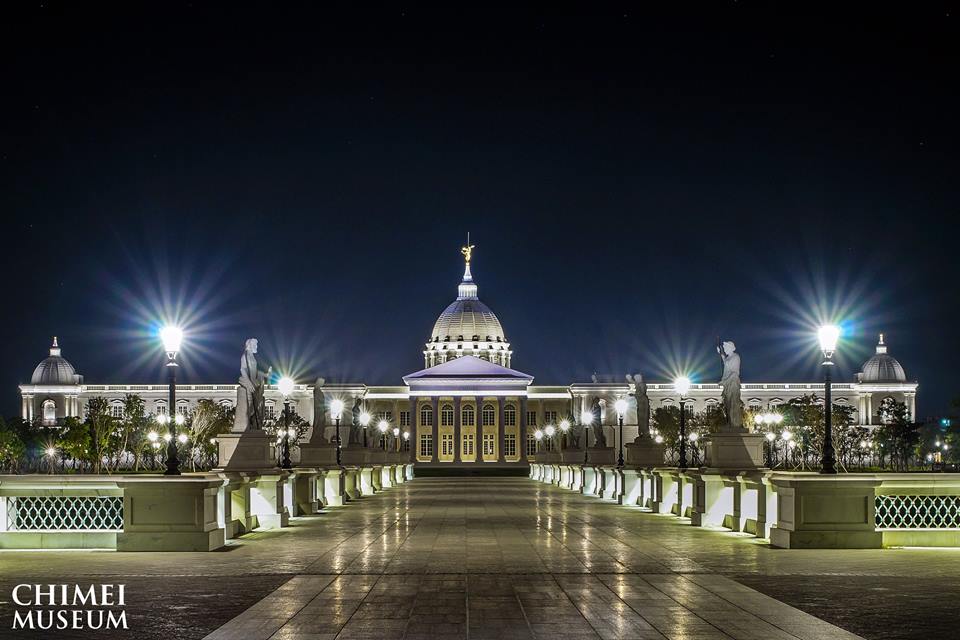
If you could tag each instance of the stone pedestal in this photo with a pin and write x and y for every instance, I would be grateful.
(733, 450)
(176, 513)
(356, 455)
(246, 451)
(644, 453)
(602, 455)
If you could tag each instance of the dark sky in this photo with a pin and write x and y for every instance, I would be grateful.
(635, 183)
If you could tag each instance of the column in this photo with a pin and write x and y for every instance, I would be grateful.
(435, 430)
(24, 411)
(457, 445)
(912, 406)
(500, 430)
(870, 408)
(414, 431)
(861, 409)
(522, 438)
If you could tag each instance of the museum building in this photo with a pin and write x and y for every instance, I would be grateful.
(467, 405)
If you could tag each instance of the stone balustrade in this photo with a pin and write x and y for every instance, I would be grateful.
(191, 512)
(791, 509)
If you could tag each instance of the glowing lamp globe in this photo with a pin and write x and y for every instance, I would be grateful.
(771, 436)
(336, 408)
(564, 425)
(538, 434)
(396, 432)
(406, 435)
(152, 436)
(658, 439)
(682, 385)
(285, 386)
(828, 335)
(182, 438)
(786, 435)
(365, 419)
(757, 419)
(383, 426)
(180, 419)
(586, 418)
(172, 338)
(549, 430)
(51, 451)
(694, 437)
(621, 407)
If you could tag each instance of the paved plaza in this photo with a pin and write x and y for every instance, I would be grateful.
(509, 558)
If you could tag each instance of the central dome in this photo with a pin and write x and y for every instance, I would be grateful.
(54, 369)
(467, 327)
(882, 367)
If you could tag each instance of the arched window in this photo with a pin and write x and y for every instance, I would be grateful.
(226, 404)
(488, 415)
(426, 416)
(446, 416)
(116, 409)
(49, 412)
(269, 409)
(468, 416)
(161, 407)
(509, 416)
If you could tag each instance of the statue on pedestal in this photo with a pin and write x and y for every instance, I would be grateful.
(730, 381)
(643, 405)
(355, 426)
(599, 437)
(250, 406)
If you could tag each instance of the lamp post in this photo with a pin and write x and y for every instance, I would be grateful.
(693, 437)
(828, 335)
(771, 436)
(549, 431)
(364, 419)
(538, 435)
(621, 407)
(337, 408)
(396, 439)
(382, 426)
(682, 386)
(285, 386)
(564, 428)
(586, 419)
(172, 337)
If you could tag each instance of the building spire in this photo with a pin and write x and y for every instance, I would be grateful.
(467, 288)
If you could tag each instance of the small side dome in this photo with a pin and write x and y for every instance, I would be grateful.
(882, 367)
(55, 369)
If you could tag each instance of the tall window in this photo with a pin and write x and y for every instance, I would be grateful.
(488, 416)
(49, 412)
(531, 418)
(446, 444)
(468, 416)
(384, 415)
(426, 416)
(161, 408)
(446, 416)
(488, 445)
(510, 416)
(467, 450)
(550, 417)
(426, 445)
(404, 418)
(116, 410)
(270, 410)
(510, 444)
(183, 408)
(531, 445)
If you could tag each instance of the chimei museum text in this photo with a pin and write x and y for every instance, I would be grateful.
(47, 607)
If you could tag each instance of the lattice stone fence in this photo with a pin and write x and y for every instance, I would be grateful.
(192, 512)
(793, 510)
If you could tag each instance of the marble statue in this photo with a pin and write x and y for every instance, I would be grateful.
(355, 436)
(730, 382)
(250, 406)
(599, 437)
(643, 405)
(319, 410)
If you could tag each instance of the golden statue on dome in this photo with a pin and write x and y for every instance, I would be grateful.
(467, 250)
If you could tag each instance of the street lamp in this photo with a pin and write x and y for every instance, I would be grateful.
(549, 431)
(364, 418)
(586, 419)
(538, 434)
(285, 386)
(396, 438)
(564, 429)
(172, 338)
(621, 406)
(828, 335)
(682, 387)
(383, 425)
(336, 407)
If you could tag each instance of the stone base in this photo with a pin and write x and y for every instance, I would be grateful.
(734, 450)
(356, 456)
(246, 451)
(601, 455)
(318, 455)
(645, 453)
(785, 539)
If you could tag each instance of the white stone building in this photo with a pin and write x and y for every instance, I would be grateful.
(467, 405)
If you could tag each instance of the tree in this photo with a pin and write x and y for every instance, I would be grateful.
(12, 450)
(101, 426)
(898, 435)
(666, 421)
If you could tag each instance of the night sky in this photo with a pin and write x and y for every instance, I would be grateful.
(635, 183)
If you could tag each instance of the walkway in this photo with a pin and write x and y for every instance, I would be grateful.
(510, 558)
